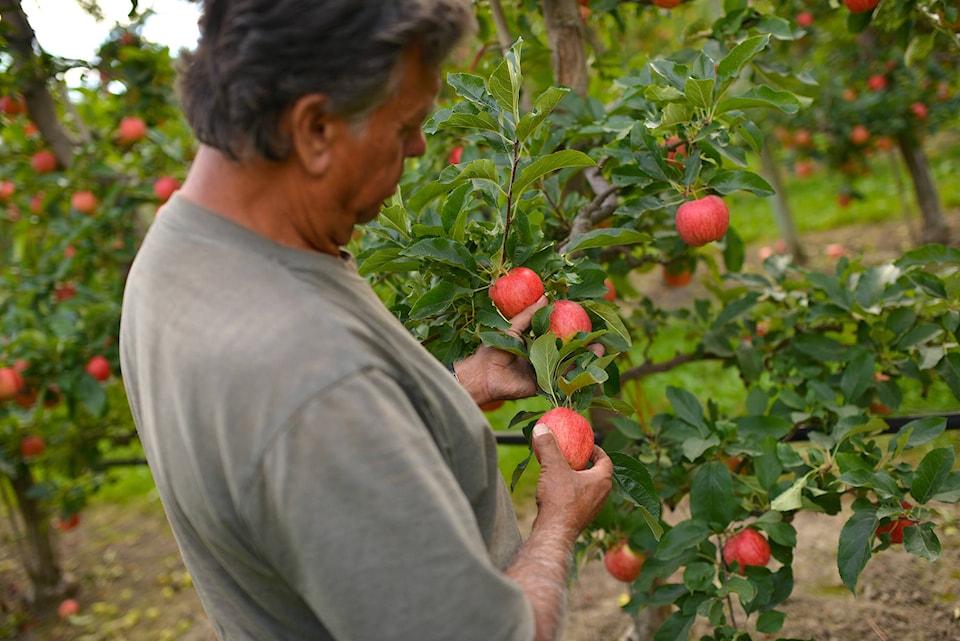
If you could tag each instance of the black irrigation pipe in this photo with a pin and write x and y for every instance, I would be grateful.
(894, 423)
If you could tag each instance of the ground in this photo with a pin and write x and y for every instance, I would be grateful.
(132, 584)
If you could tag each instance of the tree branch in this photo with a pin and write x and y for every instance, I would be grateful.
(21, 43)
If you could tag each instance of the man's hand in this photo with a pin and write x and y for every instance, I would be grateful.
(491, 374)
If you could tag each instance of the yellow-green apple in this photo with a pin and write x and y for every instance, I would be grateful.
(861, 6)
(702, 220)
(32, 445)
(43, 162)
(568, 318)
(622, 562)
(517, 290)
(98, 367)
(10, 383)
(746, 548)
(164, 187)
(131, 129)
(573, 433)
(84, 202)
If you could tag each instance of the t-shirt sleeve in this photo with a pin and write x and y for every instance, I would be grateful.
(360, 512)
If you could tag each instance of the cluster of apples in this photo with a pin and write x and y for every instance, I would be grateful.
(517, 290)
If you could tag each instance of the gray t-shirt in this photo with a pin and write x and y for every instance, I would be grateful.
(325, 477)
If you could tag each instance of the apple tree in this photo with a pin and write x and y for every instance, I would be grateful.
(90, 148)
(583, 185)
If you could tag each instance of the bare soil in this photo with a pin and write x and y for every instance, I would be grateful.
(132, 585)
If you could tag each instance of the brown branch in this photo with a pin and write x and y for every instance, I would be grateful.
(21, 42)
(649, 368)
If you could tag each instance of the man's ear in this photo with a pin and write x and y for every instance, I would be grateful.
(312, 129)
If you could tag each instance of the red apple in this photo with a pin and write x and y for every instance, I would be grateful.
(675, 146)
(896, 526)
(131, 129)
(65, 525)
(673, 278)
(32, 446)
(164, 187)
(859, 135)
(919, 110)
(802, 138)
(455, 155)
(520, 288)
(877, 82)
(491, 406)
(745, 548)
(804, 19)
(835, 250)
(666, 4)
(64, 292)
(568, 318)
(844, 199)
(849, 94)
(703, 220)
(622, 562)
(13, 105)
(84, 202)
(68, 608)
(883, 143)
(573, 434)
(43, 162)
(10, 383)
(611, 294)
(6, 190)
(803, 168)
(99, 368)
(861, 6)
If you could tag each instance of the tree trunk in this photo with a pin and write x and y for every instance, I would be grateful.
(41, 562)
(935, 228)
(566, 39)
(781, 206)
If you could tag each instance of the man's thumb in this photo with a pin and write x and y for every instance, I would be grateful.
(545, 445)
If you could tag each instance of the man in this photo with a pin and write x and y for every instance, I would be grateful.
(325, 477)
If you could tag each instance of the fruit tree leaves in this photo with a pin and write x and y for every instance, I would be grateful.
(637, 485)
(949, 370)
(854, 549)
(932, 473)
(711, 495)
(542, 166)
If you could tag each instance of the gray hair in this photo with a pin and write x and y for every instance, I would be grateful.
(255, 58)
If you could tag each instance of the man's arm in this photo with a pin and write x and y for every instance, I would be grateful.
(567, 502)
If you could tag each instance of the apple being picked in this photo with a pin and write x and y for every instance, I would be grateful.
(745, 548)
(703, 220)
(520, 288)
(623, 563)
(568, 318)
(573, 433)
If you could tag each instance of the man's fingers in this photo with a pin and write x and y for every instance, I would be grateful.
(545, 446)
(521, 322)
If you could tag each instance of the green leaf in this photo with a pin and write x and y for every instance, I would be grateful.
(387, 260)
(729, 181)
(854, 549)
(637, 485)
(435, 301)
(598, 238)
(542, 166)
(760, 97)
(922, 541)
(740, 56)
(685, 536)
(792, 498)
(544, 357)
(611, 318)
(505, 342)
(92, 396)
(949, 370)
(711, 495)
(932, 473)
(480, 169)
(761, 426)
(919, 432)
(542, 108)
(474, 89)
(686, 406)
(770, 622)
(505, 81)
(700, 92)
(857, 376)
(445, 251)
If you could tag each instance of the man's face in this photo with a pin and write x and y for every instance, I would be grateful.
(371, 158)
